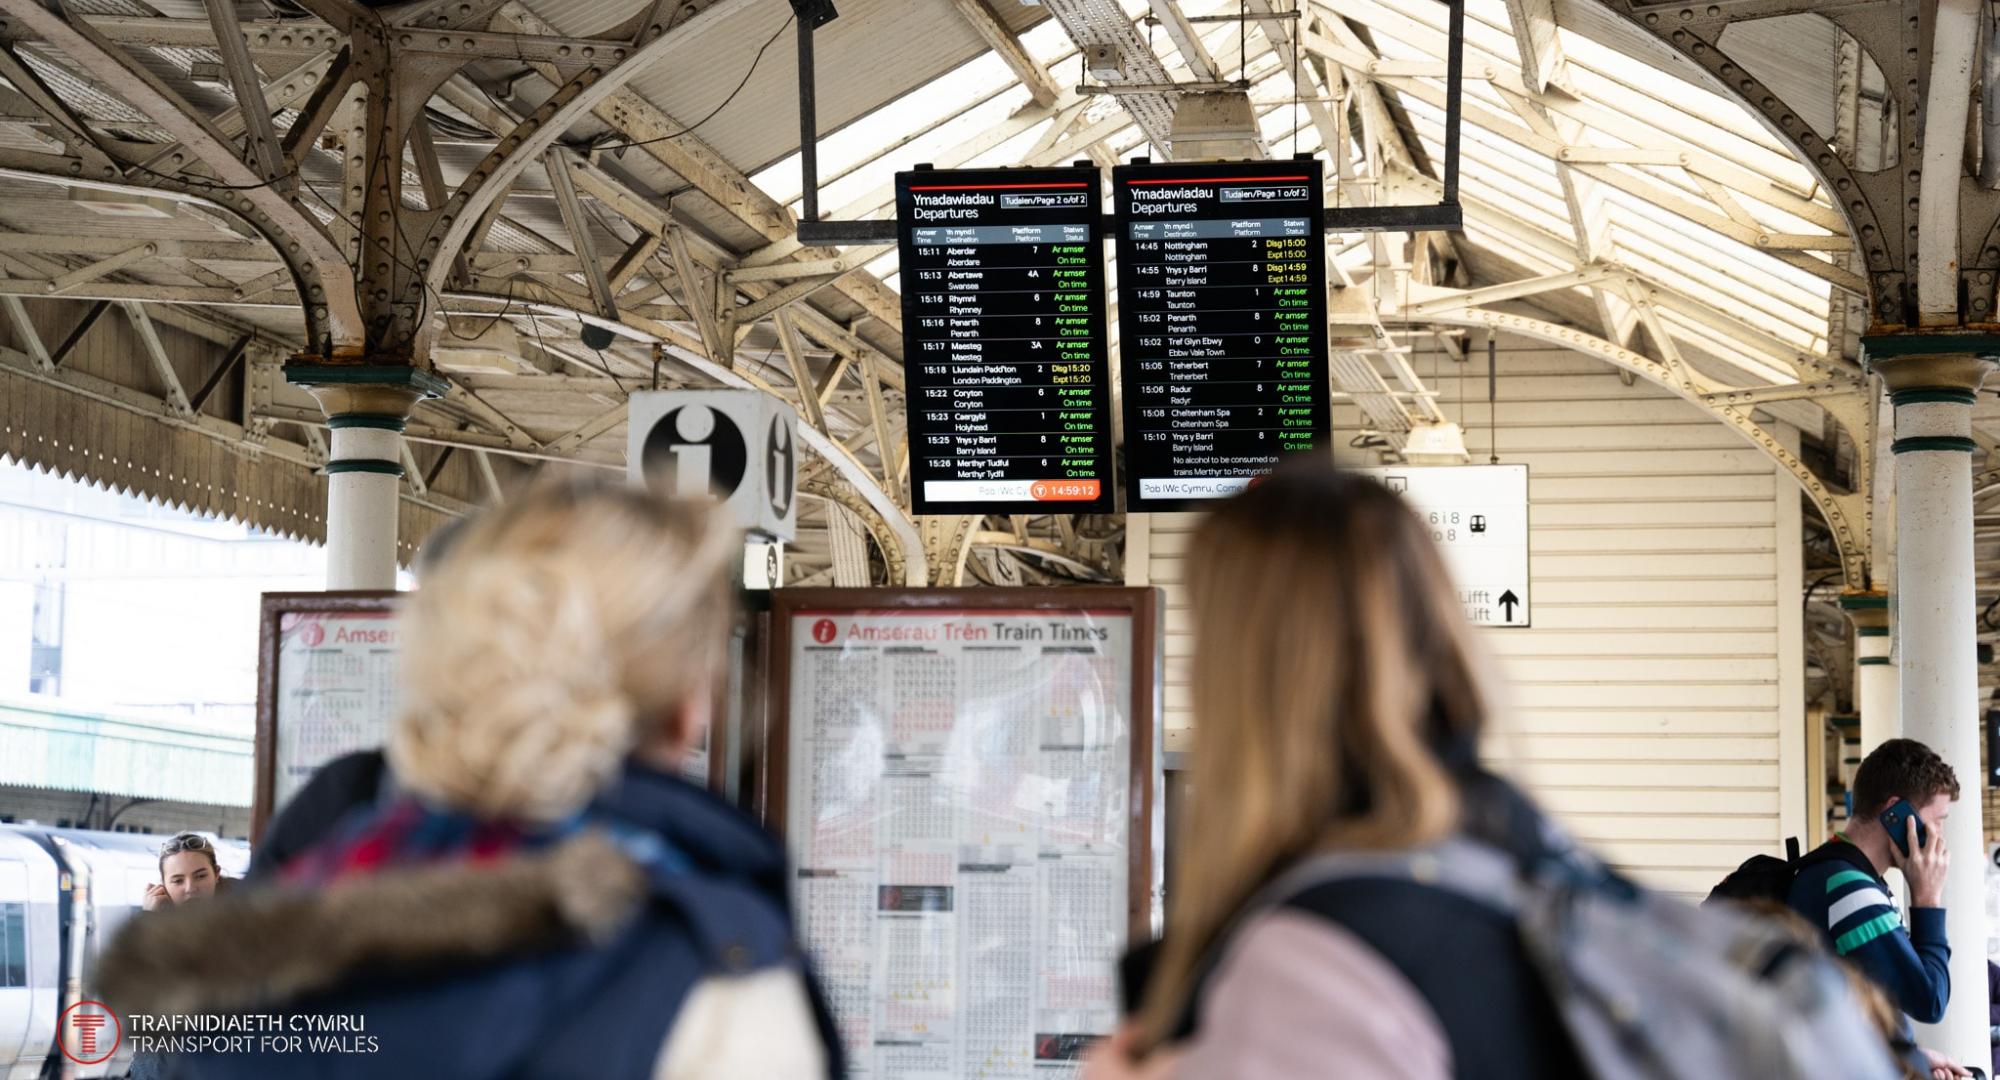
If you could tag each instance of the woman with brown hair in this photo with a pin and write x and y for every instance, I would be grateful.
(1338, 705)
(1356, 897)
(188, 871)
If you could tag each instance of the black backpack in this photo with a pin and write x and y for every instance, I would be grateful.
(1761, 877)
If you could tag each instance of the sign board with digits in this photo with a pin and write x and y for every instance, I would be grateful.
(1222, 325)
(1003, 340)
(1478, 514)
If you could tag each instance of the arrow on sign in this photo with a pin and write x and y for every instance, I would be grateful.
(1509, 602)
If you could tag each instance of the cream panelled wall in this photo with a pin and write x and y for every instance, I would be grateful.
(1657, 704)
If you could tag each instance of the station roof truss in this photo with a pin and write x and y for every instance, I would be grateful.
(1615, 202)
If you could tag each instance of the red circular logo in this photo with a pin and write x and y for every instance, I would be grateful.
(312, 634)
(824, 631)
(83, 1027)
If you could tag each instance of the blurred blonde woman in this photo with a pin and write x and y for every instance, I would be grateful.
(546, 898)
(1338, 707)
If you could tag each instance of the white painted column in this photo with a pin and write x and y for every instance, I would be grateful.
(1936, 645)
(366, 408)
(364, 476)
(1877, 691)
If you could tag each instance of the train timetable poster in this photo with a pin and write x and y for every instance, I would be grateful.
(326, 685)
(968, 796)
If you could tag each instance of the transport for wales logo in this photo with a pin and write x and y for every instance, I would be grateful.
(90, 1032)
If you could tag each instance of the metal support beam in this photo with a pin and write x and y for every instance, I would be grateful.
(878, 417)
(25, 332)
(75, 336)
(634, 260)
(333, 307)
(261, 136)
(795, 358)
(556, 162)
(231, 361)
(1185, 38)
(156, 351)
(698, 300)
(1008, 48)
(91, 272)
(792, 293)
(483, 463)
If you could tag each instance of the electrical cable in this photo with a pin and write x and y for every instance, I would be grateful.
(691, 128)
(182, 178)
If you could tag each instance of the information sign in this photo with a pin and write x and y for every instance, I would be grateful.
(1003, 340)
(1222, 325)
(1478, 514)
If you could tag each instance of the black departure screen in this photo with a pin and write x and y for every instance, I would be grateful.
(1003, 340)
(1222, 325)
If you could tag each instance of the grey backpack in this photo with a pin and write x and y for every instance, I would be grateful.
(1649, 988)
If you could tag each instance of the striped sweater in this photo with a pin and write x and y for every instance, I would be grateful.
(1839, 891)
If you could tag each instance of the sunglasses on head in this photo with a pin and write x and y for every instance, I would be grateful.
(184, 842)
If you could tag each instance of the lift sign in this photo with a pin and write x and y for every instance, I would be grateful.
(1478, 515)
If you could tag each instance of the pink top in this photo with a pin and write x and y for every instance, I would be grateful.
(1297, 996)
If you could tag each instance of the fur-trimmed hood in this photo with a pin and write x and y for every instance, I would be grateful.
(263, 946)
(570, 960)
(271, 945)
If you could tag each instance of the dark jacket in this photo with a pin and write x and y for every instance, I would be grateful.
(1838, 891)
(571, 960)
(346, 785)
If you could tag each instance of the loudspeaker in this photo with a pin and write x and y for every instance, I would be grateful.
(814, 13)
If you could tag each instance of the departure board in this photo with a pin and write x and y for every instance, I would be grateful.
(1222, 325)
(1003, 340)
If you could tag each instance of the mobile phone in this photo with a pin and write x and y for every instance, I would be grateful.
(1894, 819)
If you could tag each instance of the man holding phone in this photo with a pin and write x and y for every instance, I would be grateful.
(1903, 792)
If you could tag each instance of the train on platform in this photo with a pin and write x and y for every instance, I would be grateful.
(63, 893)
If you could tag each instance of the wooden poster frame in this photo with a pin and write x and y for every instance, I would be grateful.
(1142, 604)
(272, 610)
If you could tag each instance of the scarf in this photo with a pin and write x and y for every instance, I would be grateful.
(406, 832)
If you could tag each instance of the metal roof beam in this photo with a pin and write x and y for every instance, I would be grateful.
(137, 85)
(556, 163)
(156, 351)
(25, 332)
(688, 156)
(1845, 512)
(1185, 38)
(247, 84)
(1008, 47)
(1754, 340)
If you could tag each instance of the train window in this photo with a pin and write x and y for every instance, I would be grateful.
(13, 944)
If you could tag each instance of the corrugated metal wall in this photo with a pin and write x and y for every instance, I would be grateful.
(1657, 703)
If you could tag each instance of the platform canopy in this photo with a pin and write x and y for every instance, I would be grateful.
(1619, 199)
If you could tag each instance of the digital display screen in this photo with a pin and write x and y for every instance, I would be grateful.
(1222, 325)
(1003, 340)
